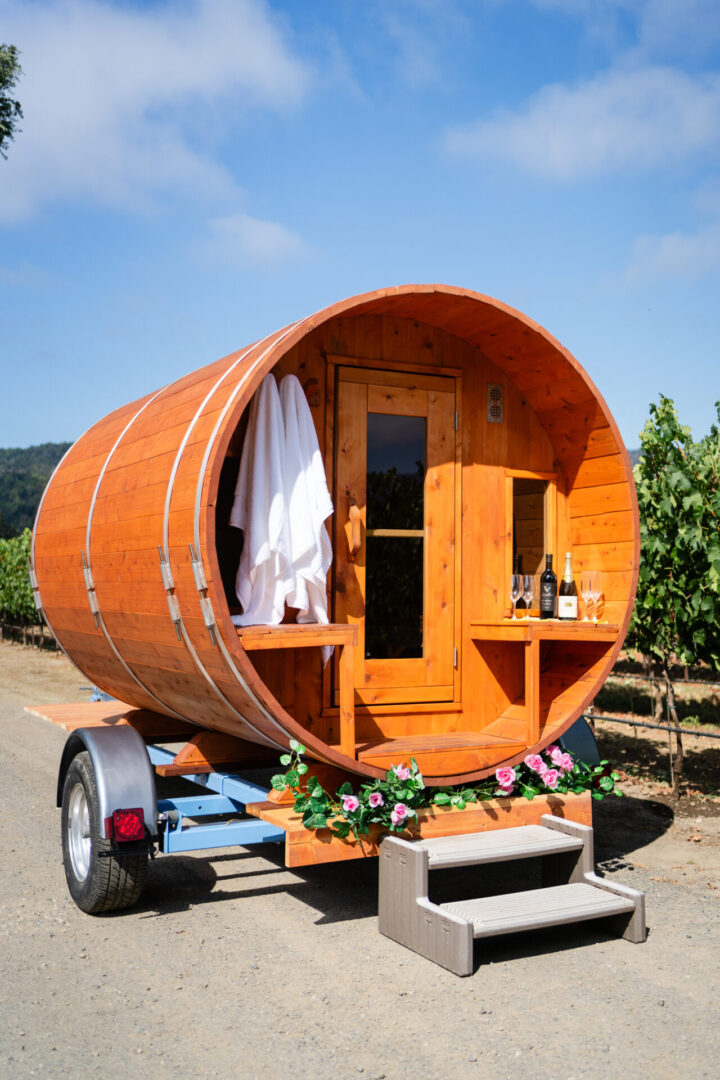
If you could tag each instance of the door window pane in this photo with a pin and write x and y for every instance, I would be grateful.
(394, 564)
(394, 597)
(395, 471)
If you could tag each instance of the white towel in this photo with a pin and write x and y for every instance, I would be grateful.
(262, 581)
(308, 505)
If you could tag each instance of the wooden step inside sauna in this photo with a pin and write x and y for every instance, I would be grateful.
(442, 754)
(445, 932)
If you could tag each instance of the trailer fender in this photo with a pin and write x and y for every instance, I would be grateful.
(125, 778)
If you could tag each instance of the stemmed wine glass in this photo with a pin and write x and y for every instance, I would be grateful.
(516, 588)
(596, 592)
(528, 590)
(586, 590)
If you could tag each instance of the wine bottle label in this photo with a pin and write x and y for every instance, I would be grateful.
(547, 596)
(567, 607)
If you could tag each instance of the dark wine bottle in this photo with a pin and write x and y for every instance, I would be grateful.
(567, 598)
(519, 570)
(548, 590)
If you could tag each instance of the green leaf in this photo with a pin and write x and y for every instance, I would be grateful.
(292, 778)
(294, 744)
(341, 829)
(285, 759)
(442, 799)
(278, 782)
(302, 768)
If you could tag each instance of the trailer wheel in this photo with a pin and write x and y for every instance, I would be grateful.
(97, 882)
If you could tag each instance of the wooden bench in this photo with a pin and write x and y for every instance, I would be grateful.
(303, 635)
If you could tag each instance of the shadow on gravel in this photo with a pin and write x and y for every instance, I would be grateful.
(347, 891)
(624, 825)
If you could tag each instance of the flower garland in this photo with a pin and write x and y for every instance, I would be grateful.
(393, 803)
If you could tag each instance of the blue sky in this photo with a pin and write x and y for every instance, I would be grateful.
(193, 174)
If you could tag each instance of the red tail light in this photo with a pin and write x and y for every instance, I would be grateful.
(128, 824)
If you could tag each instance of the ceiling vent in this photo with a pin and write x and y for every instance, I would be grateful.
(495, 403)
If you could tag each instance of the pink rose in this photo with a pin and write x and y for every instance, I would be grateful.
(556, 755)
(567, 763)
(505, 777)
(551, 778)
(535, 762)
(401, 771)
(542, 768)
(399, 813)
(350, 803)
(551, 749)
(376, 799)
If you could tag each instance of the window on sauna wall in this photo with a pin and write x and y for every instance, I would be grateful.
(529, 523)
(396, 459)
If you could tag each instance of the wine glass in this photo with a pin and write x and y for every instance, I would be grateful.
(528, 590)
(586, 591)
(596, 592)
(516, 588)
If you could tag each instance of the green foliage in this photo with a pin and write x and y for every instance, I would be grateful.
(677, 611)
(10, 110)
(16, 598)
(23, 476)
(393, 803)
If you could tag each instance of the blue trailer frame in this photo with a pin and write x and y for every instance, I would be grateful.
(226, 794)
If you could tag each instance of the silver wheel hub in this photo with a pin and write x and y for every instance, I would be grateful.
(78, 826)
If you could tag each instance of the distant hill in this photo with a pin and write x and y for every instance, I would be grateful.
(634, 457)
(23, 476)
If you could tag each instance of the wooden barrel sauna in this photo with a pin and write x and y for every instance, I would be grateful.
(456, 434)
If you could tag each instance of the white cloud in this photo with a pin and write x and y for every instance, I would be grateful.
(678, 254)
(655, 27)
(420, 32)
(643, 119)
(678, 27)
(243, 242)
(118, 99)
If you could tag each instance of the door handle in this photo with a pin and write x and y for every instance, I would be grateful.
(355, 519)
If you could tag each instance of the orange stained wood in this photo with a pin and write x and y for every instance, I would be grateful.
(362, 393)
(293, 636)
(109, 713)
(440, 754)
(213, 751)
(305, 847)
(126, 544)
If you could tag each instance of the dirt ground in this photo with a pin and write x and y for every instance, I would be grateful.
(232, 965)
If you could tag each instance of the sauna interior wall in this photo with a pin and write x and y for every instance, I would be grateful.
(593, 521)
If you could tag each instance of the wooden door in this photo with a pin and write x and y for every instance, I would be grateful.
(395, 476)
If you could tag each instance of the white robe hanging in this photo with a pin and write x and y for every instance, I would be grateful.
(308, 505)
(262, 582)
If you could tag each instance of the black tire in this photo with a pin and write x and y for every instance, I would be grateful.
(96, 882)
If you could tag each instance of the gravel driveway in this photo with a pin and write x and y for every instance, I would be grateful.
(232, 966)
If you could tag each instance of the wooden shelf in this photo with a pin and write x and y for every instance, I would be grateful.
(526, 630)
(529, 633)
(296, 635)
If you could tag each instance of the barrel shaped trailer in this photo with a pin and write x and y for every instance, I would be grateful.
(457, 434)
